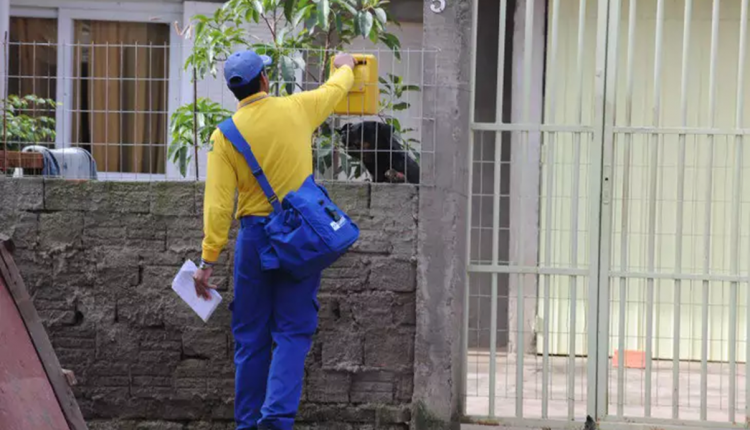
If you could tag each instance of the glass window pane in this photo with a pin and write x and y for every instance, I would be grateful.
(120, 94)
(32, 71)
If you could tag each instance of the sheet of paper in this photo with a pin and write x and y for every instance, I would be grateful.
(184, 286)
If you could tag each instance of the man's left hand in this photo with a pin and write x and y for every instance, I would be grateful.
(342, 59)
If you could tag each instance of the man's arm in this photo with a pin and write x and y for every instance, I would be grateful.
(218, 206)
(319, 103)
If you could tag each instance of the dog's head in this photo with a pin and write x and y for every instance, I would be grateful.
(354, 138)
(366, 136)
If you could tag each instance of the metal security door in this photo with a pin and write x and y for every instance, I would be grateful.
(674, 236)
(536, 151)
(609, 242)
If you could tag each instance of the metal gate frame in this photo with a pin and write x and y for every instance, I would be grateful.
(601, 272)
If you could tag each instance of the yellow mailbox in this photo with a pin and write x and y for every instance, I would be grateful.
(363, 97)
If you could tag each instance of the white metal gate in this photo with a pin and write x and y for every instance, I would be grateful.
(609, 225)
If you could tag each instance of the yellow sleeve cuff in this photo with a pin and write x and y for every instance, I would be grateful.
(210, 255)
(347, 78)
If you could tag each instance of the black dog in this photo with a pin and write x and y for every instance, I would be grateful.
(380, 150)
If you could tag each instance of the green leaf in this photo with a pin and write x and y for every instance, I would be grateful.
(392, 43)
(300, 15)
(263, 49)
(380, 14)
(258, 6)
(280, 35)
(289, 9)
(200, 28)
(339, 23)
(299, 62)
(311, 22)
(287, 73)
(345, 4)
(401, 106)
(324, 10)
(183, 161)
(365, 23)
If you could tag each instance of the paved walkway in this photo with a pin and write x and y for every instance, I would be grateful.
(633, 400)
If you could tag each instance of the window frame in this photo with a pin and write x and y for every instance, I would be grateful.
(66, 13)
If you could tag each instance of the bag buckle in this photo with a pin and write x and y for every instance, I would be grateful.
(333, 214)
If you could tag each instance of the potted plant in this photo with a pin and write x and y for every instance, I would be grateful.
(20, 128)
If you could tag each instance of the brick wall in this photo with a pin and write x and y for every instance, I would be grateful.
(99, 257)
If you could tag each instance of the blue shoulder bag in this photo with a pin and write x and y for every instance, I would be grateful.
(307, 232)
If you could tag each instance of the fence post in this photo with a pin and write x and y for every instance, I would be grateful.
(195, 123)
(5, 102)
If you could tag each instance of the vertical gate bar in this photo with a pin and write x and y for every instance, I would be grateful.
(740, 141)
(496, 215)
(499, 102)
(106, 104)
(496, 211)
(709, 186)
(679, 214)
(550, 162)
(621, 342)
(736, 195)
(652, 206)
(736, 218)
(493, 321)
(574, 214)
(499, 105)
(519, 347)
(528, 50)
(625, 218)
(467, 287)
(601, 188)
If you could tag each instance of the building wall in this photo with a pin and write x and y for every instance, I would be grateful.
(98, 259)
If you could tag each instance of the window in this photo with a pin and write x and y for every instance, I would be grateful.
(115, 82)
(120, 94)
(32, 69)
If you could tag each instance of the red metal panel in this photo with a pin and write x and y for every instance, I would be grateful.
(27, 401)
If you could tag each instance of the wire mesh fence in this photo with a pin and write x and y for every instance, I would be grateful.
(127, 110)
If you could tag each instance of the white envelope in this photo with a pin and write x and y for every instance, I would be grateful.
(184, 286)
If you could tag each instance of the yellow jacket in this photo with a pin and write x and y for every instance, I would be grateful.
(279, 131)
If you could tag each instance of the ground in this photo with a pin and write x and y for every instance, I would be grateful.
(633, 405)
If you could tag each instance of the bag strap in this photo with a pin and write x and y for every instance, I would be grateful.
(230, 131)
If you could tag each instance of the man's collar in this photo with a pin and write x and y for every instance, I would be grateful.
(253, 98)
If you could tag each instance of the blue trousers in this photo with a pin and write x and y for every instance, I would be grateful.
(274, 319)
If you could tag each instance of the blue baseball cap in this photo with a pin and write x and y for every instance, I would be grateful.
(242, 67)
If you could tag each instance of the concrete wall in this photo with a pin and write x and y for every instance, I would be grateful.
(439, 375)
(99, 257)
